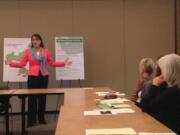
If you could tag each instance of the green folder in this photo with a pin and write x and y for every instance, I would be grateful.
(104, 107)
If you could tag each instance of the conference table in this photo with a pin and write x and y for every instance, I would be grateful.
(71, 120)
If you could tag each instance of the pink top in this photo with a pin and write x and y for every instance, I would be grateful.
(34, 65)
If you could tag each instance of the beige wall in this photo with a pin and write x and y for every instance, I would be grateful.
(118, 33)
(149, 32)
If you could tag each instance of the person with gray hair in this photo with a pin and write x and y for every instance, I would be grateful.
(164, 103)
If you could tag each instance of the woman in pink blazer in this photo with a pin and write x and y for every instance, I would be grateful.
(38, 57)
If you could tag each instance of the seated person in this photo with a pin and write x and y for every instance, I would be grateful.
(164, 102)
(147, 85)
(146, 70)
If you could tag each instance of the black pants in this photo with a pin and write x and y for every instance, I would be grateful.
(37, 103)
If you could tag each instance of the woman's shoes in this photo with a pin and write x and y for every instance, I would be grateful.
(30, 124)
(42, 121)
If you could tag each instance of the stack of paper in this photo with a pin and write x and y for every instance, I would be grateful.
(112, 106)
(120, 106)
(123, 110)
(104, 93)
(120, 94)
(109, 111)
(100, 112)
(88, 88)
(147, 133)
(112, 101)
(116, 131)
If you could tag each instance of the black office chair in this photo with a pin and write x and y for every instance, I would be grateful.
(3, 103)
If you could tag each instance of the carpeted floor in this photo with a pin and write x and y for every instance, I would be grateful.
(38, 129)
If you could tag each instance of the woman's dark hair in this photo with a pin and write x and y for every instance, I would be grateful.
(149, 70)
(38, 37)
(158, 71)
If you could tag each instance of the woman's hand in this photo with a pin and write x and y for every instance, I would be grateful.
(157, 81)
(7, 62)
(145, 75)
(67, 62)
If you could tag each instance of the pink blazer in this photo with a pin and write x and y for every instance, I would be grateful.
(34, 65)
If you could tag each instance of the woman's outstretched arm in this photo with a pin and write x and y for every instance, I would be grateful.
(52, 62)
(22, 62)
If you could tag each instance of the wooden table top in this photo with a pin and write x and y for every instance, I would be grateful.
(6, 92)
(73, 122)
(35, 91)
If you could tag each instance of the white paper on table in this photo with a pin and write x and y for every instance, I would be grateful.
(104, 93)
(88, 88)
(121, 100)
(115, 131)
(120, 105)
(147, 133)
(112, 101)
(120, 94)
(93, 112)
(113, 111)
(123, 110)
(118, 99)
(98, 112)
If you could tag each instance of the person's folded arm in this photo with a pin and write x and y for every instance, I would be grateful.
(159, 100)
(139, 88)
(162, 100)
(54, 63)
(149, 97)
(22, 62)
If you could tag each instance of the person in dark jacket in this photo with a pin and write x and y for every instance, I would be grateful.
(147, 85)
(163, 103)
